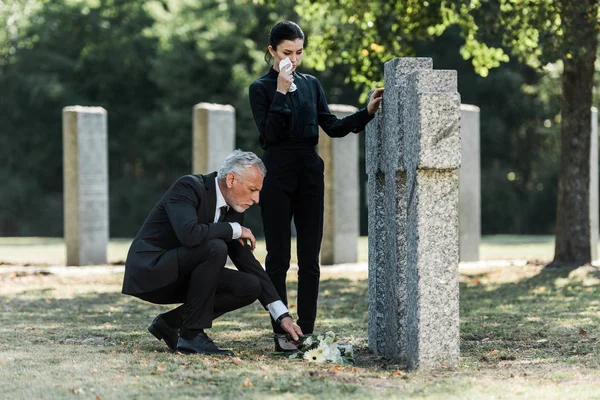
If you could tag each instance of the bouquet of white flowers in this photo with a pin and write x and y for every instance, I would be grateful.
(321, 348)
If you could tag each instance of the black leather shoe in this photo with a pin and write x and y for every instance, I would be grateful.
(162, 331)
(201, 344)
(284, 344)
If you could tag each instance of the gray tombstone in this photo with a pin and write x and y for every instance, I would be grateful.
(469, 208)
(341, 217)
(85, 184)
(414, 148)
(213, 137)
(594, 185)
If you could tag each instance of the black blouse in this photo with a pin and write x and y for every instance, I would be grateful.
(293, 120)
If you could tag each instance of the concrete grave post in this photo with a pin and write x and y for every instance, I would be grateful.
(85, 184)
(342, 194)
(213, 136)
(469, 183)
(594, 185)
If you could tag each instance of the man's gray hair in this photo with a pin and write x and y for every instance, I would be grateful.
(239, 161)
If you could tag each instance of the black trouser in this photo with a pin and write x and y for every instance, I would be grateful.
(294, 187)
(205, 287)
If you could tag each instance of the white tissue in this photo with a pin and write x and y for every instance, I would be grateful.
(285, 63)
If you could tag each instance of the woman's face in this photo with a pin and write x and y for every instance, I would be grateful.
(288, 48)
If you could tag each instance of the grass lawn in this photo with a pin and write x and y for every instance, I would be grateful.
(526, 332)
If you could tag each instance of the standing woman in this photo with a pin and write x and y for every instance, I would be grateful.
(288, 108)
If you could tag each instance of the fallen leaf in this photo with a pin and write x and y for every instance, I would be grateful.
(297, 384)
(248, 383)
(160, 367)
(97, 397)
(236, 360)
(264, 368)
(187, 382)
(398, 373)
(335, 368)
(582, 331)
(494, 352)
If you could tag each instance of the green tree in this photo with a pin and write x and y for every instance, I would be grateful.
(366, 34)
(91, 53)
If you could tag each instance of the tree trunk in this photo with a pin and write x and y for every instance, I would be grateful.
(579, 20)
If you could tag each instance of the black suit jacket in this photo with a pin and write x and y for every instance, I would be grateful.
(184, 217)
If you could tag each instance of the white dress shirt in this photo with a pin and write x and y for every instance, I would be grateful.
(276, 308)
(237, 229)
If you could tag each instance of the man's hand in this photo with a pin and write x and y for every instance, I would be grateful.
(247, 234)
(374, 101)
(290, 327)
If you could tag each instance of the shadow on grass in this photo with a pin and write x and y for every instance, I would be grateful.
(548, 313)
(110, 318)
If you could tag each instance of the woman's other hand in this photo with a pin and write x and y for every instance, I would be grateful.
(374, 101)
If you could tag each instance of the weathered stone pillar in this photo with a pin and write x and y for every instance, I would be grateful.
(341, 217)
(85, 184)
(386, 192)
(413, 217)
(213, 137)
(594, 185)
(469, 207)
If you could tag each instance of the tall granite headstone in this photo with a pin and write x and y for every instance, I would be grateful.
(213, 137)
(85, 187)
(469, 183)
(413, 157)
(342, 194)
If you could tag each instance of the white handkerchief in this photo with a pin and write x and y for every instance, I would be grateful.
(286, 63)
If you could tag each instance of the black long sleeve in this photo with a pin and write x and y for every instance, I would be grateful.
(273, 118)
(293, 120)
(334, 126)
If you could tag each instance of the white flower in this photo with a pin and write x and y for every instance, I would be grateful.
(348, 351)
(329, 338)
(308, 341)
(315, 355)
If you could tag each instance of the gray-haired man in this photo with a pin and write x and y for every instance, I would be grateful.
(179, 256)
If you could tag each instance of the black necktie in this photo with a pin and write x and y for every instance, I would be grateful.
(223, 212)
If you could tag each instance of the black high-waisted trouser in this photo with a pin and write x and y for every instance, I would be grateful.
(293, 187)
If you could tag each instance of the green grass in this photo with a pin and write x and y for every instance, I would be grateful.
(526, 332)
(51, 251)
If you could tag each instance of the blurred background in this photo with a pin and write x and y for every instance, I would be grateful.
(149, 62)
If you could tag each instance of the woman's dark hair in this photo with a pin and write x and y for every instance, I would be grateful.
(284, 30)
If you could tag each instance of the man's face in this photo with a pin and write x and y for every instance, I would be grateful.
(243, 190)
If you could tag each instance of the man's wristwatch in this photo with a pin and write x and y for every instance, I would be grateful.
(282, 316)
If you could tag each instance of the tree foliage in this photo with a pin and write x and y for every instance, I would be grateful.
(366, 34)
(149, 62)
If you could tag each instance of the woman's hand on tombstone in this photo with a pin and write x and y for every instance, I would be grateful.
(285, 80)
(374, 101)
